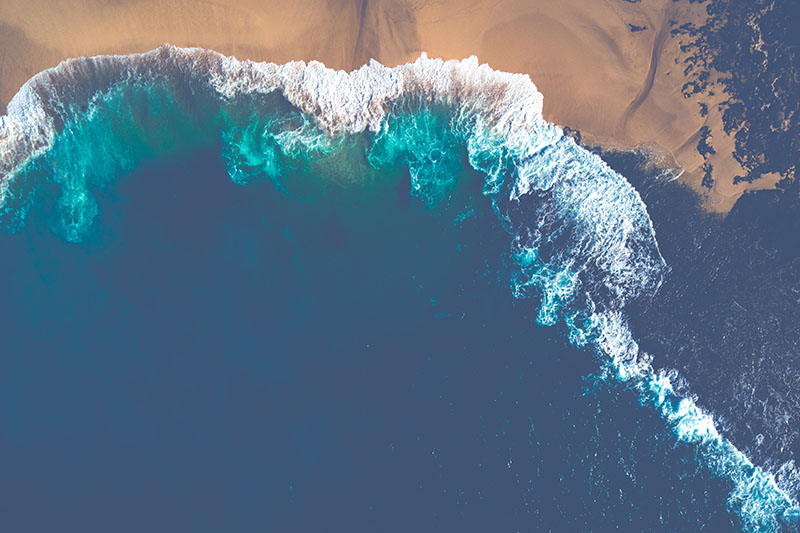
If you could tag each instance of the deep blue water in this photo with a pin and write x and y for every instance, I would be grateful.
(219, 357)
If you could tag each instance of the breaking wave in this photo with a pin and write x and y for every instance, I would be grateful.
(581, 242)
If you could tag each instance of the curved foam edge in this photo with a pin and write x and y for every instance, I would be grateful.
(596, 215)
(340, 101)
(756, 497)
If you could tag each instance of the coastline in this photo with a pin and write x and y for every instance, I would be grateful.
(612, 228)
(619, 87)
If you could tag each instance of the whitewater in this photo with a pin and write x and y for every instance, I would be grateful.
(582, 243)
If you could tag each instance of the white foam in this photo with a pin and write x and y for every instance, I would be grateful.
(601, 217)
(756, 498)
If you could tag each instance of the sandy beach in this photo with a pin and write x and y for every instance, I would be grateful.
(608, 68)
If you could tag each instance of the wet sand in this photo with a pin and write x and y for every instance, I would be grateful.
(618, 87)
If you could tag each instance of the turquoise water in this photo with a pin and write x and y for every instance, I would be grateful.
(220, 317)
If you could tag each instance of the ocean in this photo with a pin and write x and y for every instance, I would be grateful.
(224, 313)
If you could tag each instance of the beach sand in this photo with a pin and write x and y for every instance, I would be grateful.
(619, 88)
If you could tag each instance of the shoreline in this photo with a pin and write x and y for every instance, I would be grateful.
(610, 221)
(611, 69)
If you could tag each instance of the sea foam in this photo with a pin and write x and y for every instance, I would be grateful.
(582, 243)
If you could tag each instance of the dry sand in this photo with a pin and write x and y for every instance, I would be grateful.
(619, 88)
